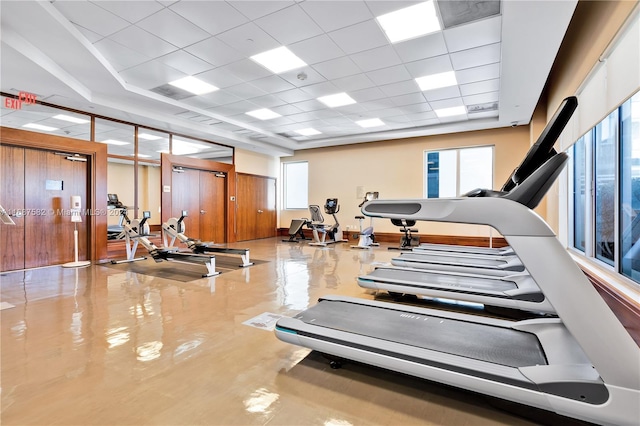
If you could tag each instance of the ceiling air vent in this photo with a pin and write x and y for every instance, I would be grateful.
(489, 106)
(172, 92)
(462, 12)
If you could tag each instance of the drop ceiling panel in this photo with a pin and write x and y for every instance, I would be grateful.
(316, 49)
(185, 62)
(131, 10)
(480, 87)
(422, 47)
(429, 66)
(374, 59)
(476, 57)
(121, 57)
(359, 37)
(215, 17)
(173, 28)
(260, 8)
(91, 16)
(442, 93)
(151, 74)
(389, 75)
(337, 68)
(272, 84)
(289, 25)
(333, 15)
(353, 83)
(486, 31)
(245, 70)
(472, 75)
(248, 39)
(142, 42)
(214, 51)
(400, 88)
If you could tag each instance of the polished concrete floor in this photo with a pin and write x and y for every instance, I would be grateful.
(103, 346)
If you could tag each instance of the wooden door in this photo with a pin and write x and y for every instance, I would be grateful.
(212, 207)
(185, 195)
(12, 199)
(256, 204)
(50, 182)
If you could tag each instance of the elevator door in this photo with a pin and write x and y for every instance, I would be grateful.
(38, 185)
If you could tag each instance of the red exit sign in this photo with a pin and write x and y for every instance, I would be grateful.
(23, 97)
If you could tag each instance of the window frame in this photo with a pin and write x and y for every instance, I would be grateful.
(285, 186)
(457, 150)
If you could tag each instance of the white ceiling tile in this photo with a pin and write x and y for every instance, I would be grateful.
(260, 8)
(353, 82)
(294, 95)
(220, 97)
(425, 123)
(185, 62)
(429, 66)
(389, 75)
(173, 28)
(369, 94)
(356, 38)
(143, 42)
(380, 7)
(442, 93)
(453, 119)
(332, 15)
(267, 101)
(246, 70)
(378, 104)
(245, 91)
(322, 114)
(400, 88)
(92, 17)
(316, 49)
(321, 89)
(337, 68)
(400, 120)
(214, 51)
(414, 108)
(289, 25)
(350, 109)
(422, 47)
(310, 105)
(119, 56)
(388, 112)
(337, 121)
(286, 109)
(480, 87)
(235, 108)
(447, 103)
(248, 39)
(479, 33)
(151, 74)
(475, 57)
(301, 117)
(93, 37)
(219, 77)
(481, 98)
(199, 102)
(214, 17)
(411, 98)
(130, 10)
(374, 59)
(419, 116)
(272, 84)
(472, 75)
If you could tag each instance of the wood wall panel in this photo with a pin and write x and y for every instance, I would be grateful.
(256, 204)
(186, 196)
(212, 202)
(12, 199)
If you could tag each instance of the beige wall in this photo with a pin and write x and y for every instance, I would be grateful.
(256, 164)
(395, 170)
(120, 180)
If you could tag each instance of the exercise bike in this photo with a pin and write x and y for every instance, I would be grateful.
(366, 237)
(318, 227)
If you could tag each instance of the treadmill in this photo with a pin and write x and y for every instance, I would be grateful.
(499, 261)
(582, 364)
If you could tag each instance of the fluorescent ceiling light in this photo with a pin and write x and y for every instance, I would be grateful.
(308, 132)
(449, 112)
(279, 60)
(372, 122)
(114, 142)
(148, 137)
(339, 99)
(193, 85)
(436, 81)
(263, 114)
(410, 22)
(143, 155)
(70, 118)
(39, 127)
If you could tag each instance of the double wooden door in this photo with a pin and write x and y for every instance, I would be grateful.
(256, 207)
(203, 194)
(35, 189)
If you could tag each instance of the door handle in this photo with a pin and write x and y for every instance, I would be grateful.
(260, 211)
(203, 211)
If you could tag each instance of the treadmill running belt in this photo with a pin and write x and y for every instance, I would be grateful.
(455, 282)
(447, 260)
(497, 345)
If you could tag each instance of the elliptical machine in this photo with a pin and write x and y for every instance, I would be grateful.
(318, 226)
(367, 239)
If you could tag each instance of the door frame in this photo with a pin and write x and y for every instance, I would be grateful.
(96, 154)
(169, 161)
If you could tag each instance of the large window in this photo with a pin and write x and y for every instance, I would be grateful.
(296, 185)
(606, 190)
(453, 172)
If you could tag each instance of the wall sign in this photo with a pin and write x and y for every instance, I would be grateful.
(23, 97)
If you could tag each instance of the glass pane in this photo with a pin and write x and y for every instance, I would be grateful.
(203, 150)
(120, 178)
(151, 144)
(442, 174)
(296, 185)
(117, 136)
(630, 188)
(579, 191)
(476, 168)
(605, 186)
(149, 191)
(44, 119)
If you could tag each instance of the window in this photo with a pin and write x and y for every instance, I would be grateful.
(606, 190)
(296, 185)
(452, 172)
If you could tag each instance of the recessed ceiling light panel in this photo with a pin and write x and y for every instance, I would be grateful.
(436, 81)
(279, 60)
(114, 142)
(372, 122)
(410, 22)
(194, 85)
(450, 112)
(70, 119)
(308, 132)
(337, 100)
(263, 114)
(39, 127)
